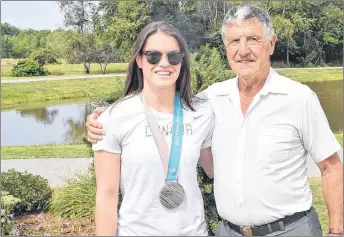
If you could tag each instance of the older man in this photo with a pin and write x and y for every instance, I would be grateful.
(266, 124)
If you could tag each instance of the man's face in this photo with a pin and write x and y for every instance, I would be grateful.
(248, 49)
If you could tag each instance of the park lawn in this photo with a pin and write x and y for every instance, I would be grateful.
(339, 136)
(313, 75)
(95, 88)
(57, 151)
(45, 151)
(68, 70)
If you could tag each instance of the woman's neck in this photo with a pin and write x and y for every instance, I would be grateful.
(160, 100)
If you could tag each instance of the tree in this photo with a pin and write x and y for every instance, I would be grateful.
(125, 24)
(77, 14)
(104, 53)
(7, 29)
(285, 30)
(6, 47)
(79, 48)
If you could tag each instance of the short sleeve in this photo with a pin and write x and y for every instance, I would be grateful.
(110, 142)
(318, 139)
(210, 129)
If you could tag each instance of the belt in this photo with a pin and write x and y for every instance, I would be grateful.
(278, 225)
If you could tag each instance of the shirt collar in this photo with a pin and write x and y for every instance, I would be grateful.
(274, 83)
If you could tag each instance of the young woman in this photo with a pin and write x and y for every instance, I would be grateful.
(154, 138)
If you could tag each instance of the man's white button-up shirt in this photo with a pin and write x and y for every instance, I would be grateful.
(260, 158)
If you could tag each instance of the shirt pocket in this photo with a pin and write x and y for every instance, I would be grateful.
(274, 143)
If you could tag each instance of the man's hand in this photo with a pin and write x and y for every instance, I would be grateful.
(94, 128)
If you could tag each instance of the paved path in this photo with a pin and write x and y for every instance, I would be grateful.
(23, 80)
(56, 170)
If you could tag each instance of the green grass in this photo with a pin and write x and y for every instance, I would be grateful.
(68, 70)
(45, 151)
(319, 203)
(339, 136)
(19, 93)
(309, 75)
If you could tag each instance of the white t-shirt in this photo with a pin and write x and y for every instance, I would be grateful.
(142, 175)
(260, 169)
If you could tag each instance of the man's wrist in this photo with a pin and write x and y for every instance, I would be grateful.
(335, 231)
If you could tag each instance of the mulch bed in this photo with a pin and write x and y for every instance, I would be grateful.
(45, 224)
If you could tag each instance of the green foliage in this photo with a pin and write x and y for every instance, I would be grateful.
(33, 190)
(206, 185)
(207, 68)
(332, 24)
(43, 56)
(309, 32)
(76, 199)
(26, 68)
(8, 202)
(124, 26)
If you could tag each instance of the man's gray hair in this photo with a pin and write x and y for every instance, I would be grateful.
(246, 12)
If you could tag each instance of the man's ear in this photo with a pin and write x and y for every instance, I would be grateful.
(272, 44)
(139, 61)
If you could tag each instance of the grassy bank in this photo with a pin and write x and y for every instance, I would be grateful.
(68, 70)
(19, 93)
(339, 136)
(309, 75)
(65, 151)
(45, 151)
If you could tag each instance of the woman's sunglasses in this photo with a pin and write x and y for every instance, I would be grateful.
(154, 57)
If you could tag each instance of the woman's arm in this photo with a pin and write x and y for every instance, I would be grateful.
(107, 166)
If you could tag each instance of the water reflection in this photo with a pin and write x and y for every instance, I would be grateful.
(330, 95)
(36, 124)
(42, 115)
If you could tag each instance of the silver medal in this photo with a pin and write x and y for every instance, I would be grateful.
(172, 195)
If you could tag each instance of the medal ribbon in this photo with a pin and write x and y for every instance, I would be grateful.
(173, 156)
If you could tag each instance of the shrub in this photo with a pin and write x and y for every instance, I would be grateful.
(207, 68)
(43, 56)
(28, 68)
(8, 202)
(33, 190)
(205, 183)
(76, 199)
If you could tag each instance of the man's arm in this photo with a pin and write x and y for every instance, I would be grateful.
(206, 161)
(107, 166)
(95, 130)
(332, 182)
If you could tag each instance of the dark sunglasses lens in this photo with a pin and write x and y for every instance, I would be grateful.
(153, 57)
(175, 57)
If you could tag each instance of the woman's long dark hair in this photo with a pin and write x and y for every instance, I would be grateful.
(134, 79)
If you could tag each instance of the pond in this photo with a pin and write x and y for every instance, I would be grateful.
(36, 124)
(64, 123)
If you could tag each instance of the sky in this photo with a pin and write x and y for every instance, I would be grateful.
(37, 15)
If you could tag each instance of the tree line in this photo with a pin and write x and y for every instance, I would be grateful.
(310, 33)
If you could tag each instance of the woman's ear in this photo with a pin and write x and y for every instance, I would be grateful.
(139, 61)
